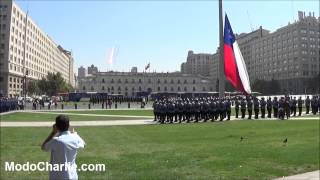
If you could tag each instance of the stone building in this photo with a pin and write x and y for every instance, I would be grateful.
(26, 50)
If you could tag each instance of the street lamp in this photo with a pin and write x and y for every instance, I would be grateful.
(25, 87)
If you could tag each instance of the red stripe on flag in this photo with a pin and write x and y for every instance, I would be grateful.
(231, 69)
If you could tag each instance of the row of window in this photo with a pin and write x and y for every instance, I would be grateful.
(149, 81)
(84, 88)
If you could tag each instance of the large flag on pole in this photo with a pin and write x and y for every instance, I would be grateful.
(234, 66)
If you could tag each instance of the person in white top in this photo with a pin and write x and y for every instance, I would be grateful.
(63, 145)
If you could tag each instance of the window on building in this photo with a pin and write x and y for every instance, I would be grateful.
(179, 81)
(194, 88)
(179, 89)
(165, 88)
(112, 81)
(172, 81)
(185, 88)
(185, 81)
(139, 88)
(103, 81)
(159, 89)
(102, 88)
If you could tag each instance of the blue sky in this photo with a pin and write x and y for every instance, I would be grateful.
(159, 32)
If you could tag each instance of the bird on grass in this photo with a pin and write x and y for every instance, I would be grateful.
(285, 141)
(241, 139)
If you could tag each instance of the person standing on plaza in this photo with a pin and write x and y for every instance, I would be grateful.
(300, 105)
(63, 146)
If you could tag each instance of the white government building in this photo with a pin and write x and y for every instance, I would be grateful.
(26, 49)
(130, 83)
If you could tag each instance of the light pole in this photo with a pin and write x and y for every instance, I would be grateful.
(25, 87)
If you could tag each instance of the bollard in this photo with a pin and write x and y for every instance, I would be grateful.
(75, 106)
(89, 106)
(62, 106)
(115, 105)
(128, 105)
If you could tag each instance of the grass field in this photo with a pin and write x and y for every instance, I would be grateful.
(184, 151)
(24, 116)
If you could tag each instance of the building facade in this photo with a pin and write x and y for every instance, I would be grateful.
(25, 50)
(92, 69)
(290, 54)
(81, 72)
(128, 83)
(197, 64)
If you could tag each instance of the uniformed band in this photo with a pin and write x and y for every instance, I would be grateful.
(176, 109)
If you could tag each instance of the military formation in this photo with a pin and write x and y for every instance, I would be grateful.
(176, 109)
(10, 104)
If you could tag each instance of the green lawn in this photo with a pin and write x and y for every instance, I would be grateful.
(23, 116)
(182, 151)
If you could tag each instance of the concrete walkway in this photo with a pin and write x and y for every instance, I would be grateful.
(120, 122)
(314, 175)
(78, 123)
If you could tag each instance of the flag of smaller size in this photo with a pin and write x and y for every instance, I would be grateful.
(147, 66)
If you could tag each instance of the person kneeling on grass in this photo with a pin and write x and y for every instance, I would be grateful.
(63, 145)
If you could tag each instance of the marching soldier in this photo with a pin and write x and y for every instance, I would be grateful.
(263, 107)
(275, 106)
(283, 104)
(228, 108)
(300, 105)
(294, 106)
(256, 107)
(269, 107)
(307, 103)
(249, 106)
(286, 106)
(314, 105)
(243, 108)
(237, 104)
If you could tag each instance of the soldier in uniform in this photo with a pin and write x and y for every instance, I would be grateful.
(275, 106)
(155, 110)
(300, 105)
(228, 108)
(243, 108)
(294, 106)
(180, 110)
(263, 104)
(256, 107)
(237, 104)
(212, 110)
(249, 106)
(282, 108)
(307, 103)
(314, 105)
(269, 107)
(222, 108)
(286, 106)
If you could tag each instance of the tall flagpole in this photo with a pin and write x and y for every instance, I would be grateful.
(221, 63)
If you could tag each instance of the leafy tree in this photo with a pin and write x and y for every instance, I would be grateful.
(32, 87)
(53, 83)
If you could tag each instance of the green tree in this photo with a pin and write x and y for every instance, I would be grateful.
(32, 87)
(52, 84)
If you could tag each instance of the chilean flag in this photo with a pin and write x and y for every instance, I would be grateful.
(234, 66)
